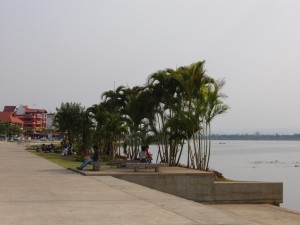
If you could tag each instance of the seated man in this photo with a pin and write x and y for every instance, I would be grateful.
(94, 158)
(52, 148)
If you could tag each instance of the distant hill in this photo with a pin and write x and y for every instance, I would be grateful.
(294, 137)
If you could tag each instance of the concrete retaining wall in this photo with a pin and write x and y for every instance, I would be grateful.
(248, 192)
(202, 188)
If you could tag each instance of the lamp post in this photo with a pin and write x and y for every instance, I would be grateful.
(22, 136)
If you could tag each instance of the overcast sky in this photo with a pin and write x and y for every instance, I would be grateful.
(54, 51)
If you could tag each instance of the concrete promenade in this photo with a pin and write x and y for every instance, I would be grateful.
(34, 191)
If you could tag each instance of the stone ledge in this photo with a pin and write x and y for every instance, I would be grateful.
(203, 188)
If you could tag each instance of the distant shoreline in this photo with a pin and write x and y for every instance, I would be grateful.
(256, 137)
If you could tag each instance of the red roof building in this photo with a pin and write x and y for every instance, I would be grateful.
(32, 118)
(10, 117)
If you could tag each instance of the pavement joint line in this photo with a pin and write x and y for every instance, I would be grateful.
(76, 200)
(283, 209)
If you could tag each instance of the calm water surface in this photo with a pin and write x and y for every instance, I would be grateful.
(259, 161)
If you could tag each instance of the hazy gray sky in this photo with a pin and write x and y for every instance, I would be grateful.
(54, 51)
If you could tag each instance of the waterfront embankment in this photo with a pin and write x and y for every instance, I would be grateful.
(35, 191)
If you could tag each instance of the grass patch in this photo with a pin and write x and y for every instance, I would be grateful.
(75, 161)
(63, 161)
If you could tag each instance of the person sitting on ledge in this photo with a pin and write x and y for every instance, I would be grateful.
(65, 152)
(148, 154)
(94, 158)
(144, 155)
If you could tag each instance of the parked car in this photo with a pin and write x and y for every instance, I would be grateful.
(17, 138)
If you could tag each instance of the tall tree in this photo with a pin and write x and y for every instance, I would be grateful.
(69, 120)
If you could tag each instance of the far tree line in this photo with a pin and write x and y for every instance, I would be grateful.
(173, 108)
(273, 137)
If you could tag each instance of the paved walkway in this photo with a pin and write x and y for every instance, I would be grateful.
(34, 191)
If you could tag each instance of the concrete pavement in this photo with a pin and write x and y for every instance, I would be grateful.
(34, 191)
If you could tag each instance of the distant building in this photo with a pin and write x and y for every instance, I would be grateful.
(9, 108)
(35, 119)
(49, 122)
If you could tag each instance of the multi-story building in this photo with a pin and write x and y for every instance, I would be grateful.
(34, 119)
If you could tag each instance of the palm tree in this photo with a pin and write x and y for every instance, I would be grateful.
(215, 106)
(136, 111)
(106, 127)
(165, 95)
(190, 79)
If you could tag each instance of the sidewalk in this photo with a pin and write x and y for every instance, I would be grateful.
(34, 191)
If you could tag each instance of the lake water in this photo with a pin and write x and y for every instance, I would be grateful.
(259, 161)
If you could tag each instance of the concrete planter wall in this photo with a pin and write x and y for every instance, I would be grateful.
(248, 192)
(202, 188)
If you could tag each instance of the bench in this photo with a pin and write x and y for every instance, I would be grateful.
(121, 162)
(137, 166)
